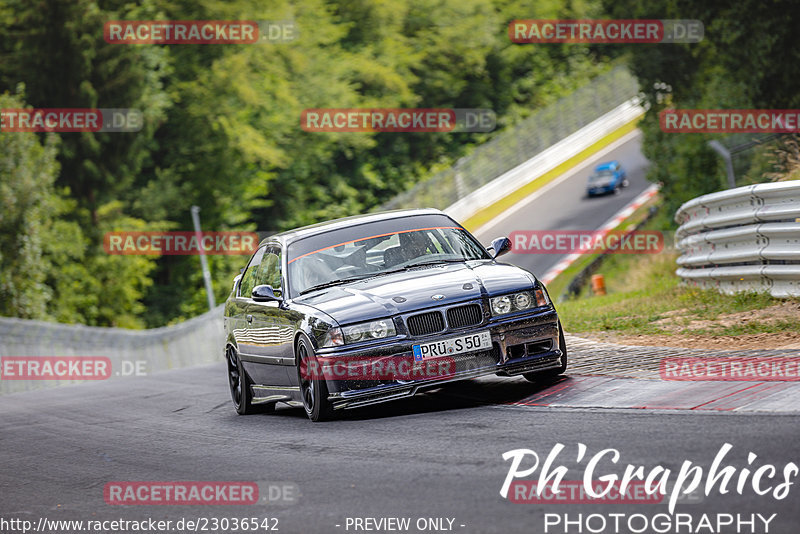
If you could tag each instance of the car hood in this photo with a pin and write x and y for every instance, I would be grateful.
(408, 291)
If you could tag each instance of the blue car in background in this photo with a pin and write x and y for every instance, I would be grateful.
(607, 177)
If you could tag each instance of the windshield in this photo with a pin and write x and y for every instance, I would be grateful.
(378, 254)
(601, 176)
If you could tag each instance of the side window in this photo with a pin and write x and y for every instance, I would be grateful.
(248, 281)
(269, 273)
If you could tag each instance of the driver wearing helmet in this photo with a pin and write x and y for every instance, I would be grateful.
(413, 244)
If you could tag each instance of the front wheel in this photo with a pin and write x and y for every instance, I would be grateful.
(562, 345)
(313, 387)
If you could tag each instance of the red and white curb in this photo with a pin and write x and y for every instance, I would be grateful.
(610, 392)
(609, 225)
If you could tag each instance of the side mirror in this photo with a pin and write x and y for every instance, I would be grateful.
(501, 245)
(264, 293)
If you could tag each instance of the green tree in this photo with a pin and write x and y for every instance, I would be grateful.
(748, 59)
(48, 265)
(222, 123)
(28, 198)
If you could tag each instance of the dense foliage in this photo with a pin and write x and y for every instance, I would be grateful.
(222, 132)
(748, 59)
(222, 123)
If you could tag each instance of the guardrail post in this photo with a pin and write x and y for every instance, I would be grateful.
(722, 151)
(203, 261)
(461, 189)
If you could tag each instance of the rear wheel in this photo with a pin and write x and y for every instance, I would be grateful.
(313, 387)
(239, 384)
(562, 345)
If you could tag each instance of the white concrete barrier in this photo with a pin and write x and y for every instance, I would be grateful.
(196, 341)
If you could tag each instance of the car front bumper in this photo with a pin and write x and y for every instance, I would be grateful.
(522, 343)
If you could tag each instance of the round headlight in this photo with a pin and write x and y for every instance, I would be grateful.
(353, 334)
(378, 329)
(522, 301)
(501, 305)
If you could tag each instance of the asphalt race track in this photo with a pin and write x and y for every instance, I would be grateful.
(438, 456)
(563, 204)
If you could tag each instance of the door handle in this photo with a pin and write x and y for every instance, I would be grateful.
(249, 318)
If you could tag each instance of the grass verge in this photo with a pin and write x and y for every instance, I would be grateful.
(560, 283)
(645, 297)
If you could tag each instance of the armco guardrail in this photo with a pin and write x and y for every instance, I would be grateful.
(196, 341)
(742, 239)
(511, 149)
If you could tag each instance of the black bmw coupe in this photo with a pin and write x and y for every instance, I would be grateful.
(378, 307)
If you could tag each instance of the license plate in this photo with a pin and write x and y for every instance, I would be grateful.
(454, 345)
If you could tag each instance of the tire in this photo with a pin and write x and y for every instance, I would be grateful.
(625, 183)
(239, 384)
(562, 345)
(314, 391)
